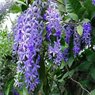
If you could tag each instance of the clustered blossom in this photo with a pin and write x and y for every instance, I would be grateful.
(77, 44)
(55, 52)
(53, 19)
(4, 5)
(69, 30)
(54, 28)
(93, 2)
(27, 43)
(86, 37)
(72, 34)
(66, 54)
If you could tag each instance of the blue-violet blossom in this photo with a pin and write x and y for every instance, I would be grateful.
(76, 43)
(93, 2)
(53, 18)
(27, 43)
(86, 36)
(69, 31)
(55, 52)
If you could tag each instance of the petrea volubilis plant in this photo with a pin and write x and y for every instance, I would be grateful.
(53, 46)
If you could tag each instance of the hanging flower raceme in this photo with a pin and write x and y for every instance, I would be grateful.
(86, 37)
(53, 19)
(77, 43)
(93, 2)
(55, 52)
(54, 28)
(27, 43)
(69, 31)
(66, 54)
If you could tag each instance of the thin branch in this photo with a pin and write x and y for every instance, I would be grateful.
(80, 85)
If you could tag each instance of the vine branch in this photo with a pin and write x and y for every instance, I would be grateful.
(78, 83)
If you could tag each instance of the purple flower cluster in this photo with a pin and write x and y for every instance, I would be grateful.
(54, 28)
(93, 2)
(66, 54)
(86, 37)
(53, 18)
(27, 43)
(69, 30)
(77, 44)
(14, 91)
(71, 33)
(55, 52)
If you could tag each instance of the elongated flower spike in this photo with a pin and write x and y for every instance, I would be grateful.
(53, 19)
(86, 37)
(27, 44)
(77, 44)
(54, 28)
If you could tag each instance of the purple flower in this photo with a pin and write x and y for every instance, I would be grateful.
(55, 52)
(14, 91)
(59, 58)
(86, 36)
(69, 30)
(93, 2)
(53, 19)
(66, 54)
(87, 27)
(77, 44)
(27, 44)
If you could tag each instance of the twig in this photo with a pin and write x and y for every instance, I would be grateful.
(80, 85)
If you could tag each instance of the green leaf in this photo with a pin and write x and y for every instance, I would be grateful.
(82, 12)
(68, 74)
(69, 8)
(61, 8)
(84, 66)
(43, 77)
(8, 87)
(86, 20)
(90, 8)
(15, 8)
(70, 61)
(72, 6)
(73, 16)
(92, 72)
(80, 30)
(21, 2)
(91, 57)
(92, 92)
(24, 91)
(60, 1)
